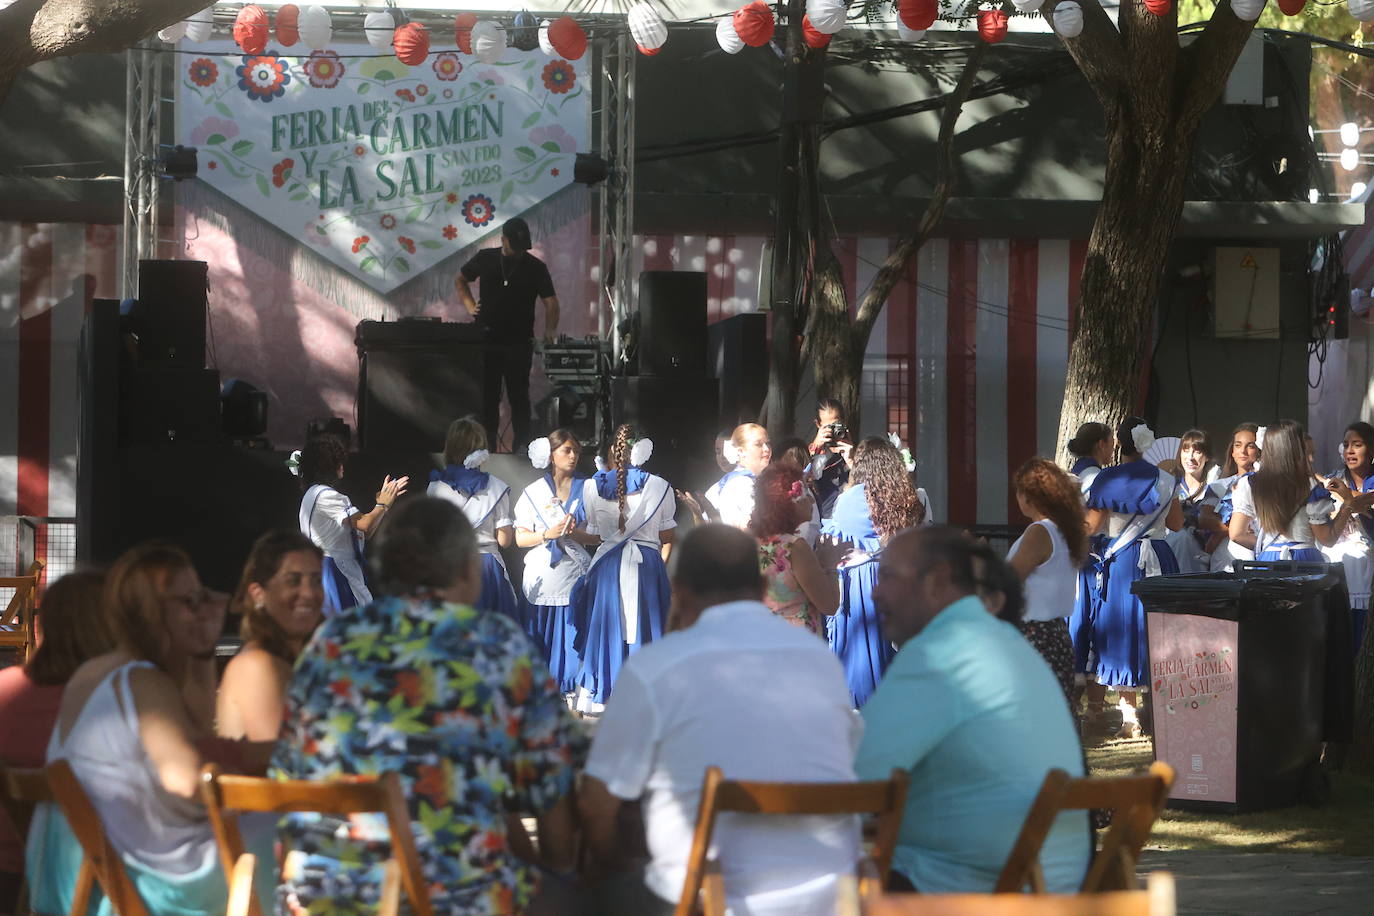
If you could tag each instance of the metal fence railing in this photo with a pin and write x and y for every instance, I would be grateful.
(25, 538)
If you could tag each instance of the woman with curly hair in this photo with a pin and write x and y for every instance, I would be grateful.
(336, 526)
(879, 503)
(797, 588)
(622, 601)
(1047, 559)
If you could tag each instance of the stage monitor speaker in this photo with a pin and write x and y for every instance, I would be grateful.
(169, 316)
(97, 441)
(739, 358)
(672, 323)
(411, 389)
(163, 405)
(679, 414)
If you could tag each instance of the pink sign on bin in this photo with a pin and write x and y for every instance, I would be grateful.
(1194, 670)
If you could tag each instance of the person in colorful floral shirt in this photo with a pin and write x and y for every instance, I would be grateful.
(455, 700)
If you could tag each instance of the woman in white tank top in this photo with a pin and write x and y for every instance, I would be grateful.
(1048, 557)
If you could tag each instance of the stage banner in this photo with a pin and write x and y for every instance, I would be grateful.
(382, 168)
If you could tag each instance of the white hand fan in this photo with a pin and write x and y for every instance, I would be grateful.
(1165, 449)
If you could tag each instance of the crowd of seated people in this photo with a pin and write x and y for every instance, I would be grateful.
(459, 703)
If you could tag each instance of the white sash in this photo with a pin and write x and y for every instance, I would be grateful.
(493, 549)
(559, 579)
(1135, 529)
(655, 490)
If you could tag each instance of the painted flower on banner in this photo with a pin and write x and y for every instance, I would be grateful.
(203, 71)
(559, 76)
(387, 221)
(407, 244)
(478, 210)
(264, 77)
(447, 66)
(214, 131)
(450, 232)
(422, 90)
(553, 138)
(359, 242)
(324, 69)
(405, 95)
(490, 77)
(282, 171)
(451, 198)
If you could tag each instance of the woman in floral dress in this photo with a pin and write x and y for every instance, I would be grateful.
(798, 589)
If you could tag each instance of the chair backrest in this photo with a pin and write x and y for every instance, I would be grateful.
(1135, 803)
(18, 616)
(20, 792)
(90, 833)
(226, 796)
(885, 799)
(1156, 900)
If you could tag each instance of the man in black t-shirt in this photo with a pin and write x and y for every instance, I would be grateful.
(511, 280)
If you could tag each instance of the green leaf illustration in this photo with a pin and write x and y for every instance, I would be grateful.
(368, 263)
(414, 214)
(242, 148)
(262, 185)
(321, 230)
(506, 190)
(529, 84)
(527, 123)
(301, 196)
(430, 243)
(215, 139)
(364, 89)
(551, 146)
(528, 64)
(401, 263)
(524, 154)
(223, 109)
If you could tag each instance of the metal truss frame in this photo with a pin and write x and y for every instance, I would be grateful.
(143, 91)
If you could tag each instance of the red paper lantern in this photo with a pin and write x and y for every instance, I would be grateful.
(1159, 7)
(462, 31)
(411, 42)
(917, 15)
(250, 29)
(754, 24)
(812, 37)
(992, 25)
(568, 38)
(288, 25)
(649, 52)
(1291, 7)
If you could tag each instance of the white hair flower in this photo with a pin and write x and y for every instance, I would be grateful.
(1142, 437)
(896, 441)
(641, 452)
(730, 452)
(476, 459)
(293, 462)
(539, 452)
(1259, 437)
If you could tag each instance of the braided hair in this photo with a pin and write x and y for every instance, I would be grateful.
(619, 457)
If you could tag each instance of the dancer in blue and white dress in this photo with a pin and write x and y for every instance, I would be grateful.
(1293, 514)
(1192, 544)
(730, 500)
(1133, 504)
(1092, 447)
(622, 601)
(879, 503)
(551, 521)
(486, 501)
(1215, 513)
(1353, 484)
(334, 524)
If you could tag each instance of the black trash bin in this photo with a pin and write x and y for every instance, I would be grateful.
(1250, 671)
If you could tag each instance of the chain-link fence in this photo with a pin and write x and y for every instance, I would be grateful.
(25, 538)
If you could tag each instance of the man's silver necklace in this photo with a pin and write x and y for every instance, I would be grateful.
(505, 279)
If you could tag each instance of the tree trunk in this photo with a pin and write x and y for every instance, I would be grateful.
(1142, 200)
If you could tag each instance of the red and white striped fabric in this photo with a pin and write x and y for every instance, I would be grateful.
(48, 275)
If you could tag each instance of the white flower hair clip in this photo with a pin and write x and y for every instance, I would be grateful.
(1142, 437)
(895, 439)
(476, 459)
(539, 452)
(905, 452)
(730, 452)
(1259, 437)
(641, 452)
(293, 462)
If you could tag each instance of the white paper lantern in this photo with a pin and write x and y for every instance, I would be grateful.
(1068, 19)
(379, 29)
(727, 37)
(648, 29)
(200, 25)
(1247, 10)
(488, 41)
(1362, 10)
(911, 35)
(1028, 6)
(544, 44)
(314, 27)
(1350, 134)
(827, 16)
(173, 33)
(1350, 158)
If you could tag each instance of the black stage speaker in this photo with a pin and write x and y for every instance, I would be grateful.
(162, 405)
(679, 414)
(169, 316)
(414, 379)
(97, 439)
(672, 323)
(739, 358)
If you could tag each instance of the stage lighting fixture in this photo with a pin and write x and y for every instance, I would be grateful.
(179, 163)
(590, 168)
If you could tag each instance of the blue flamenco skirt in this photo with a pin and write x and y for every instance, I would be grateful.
(497, 593)
(595, 606)
(1301, 555)
(855, 632)
(1108, 623)
(338, 593)
(551, 628)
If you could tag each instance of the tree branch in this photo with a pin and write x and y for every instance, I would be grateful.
(1098, 51)
(1207, 63)
(947, 175)
(1151, 55)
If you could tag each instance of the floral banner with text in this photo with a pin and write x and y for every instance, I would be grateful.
(382, 168)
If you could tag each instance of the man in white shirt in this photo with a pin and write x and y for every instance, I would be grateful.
(736, 687)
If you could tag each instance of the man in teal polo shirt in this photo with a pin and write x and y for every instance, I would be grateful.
(975, 715)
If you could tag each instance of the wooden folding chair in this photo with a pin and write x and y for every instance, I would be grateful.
(90, 833)
(1156, 900)
(228, 796)
(17, 621)
(1135, 803)
(704, 884)
(20, 792)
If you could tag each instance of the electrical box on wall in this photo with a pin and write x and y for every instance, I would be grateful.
(1245, 293)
